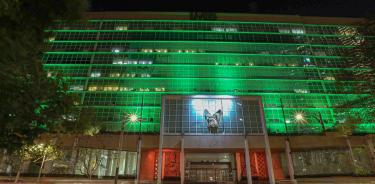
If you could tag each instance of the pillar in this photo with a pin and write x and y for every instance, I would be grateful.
(160, 156)
(371, 149)
(182, 161)
(267, 147)
(247, 162)
(139, 157)
(289, 159)
(269, 159)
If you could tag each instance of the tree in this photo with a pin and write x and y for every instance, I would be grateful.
(23, 155)
(90, 160)
(345, 130)
(39, 152)
(361, 58)
(30, 103)
(80, 123)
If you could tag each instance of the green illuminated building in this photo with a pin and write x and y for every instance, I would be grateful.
(112, 64)
(125, 63)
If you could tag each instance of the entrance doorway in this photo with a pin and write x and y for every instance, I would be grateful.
(210, 168)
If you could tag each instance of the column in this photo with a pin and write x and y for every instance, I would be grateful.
(160, 156)
(289, 159)
(139, 157)
(371, 149)
(182, 161)
(269, 159)
(267, 147)
(247, 162)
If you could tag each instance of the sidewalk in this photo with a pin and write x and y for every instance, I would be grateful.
(61, 180)
(337, 180)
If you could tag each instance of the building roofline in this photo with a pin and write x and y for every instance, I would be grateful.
(242, 17)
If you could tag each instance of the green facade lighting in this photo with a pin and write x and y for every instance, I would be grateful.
(122, 67)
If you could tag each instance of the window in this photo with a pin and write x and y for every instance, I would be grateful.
(93, 88)
(76, 87)
(224, 29)
(298, 31)
(95, 74)
(121, 28)
(301, 91)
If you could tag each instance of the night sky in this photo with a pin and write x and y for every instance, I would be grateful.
(331, 8)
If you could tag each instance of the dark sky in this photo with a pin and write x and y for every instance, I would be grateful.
(340, 8)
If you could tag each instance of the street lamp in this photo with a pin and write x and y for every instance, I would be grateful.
(131, 118)
(287, 145)
(300, 117)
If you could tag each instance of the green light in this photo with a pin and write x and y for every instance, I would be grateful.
(271, 70)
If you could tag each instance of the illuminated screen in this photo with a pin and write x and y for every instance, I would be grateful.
(201, 114)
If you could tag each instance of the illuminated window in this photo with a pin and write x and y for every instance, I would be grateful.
(95, 74)
(114, 74)
(291, 30)
(145, 75)
(161, 50)
(298, 31)
(121, 28)
(329, 78)
(110, 88)
(146, 50)
(124, 89)
(116, 50)
(224, 29)
(132, 75)
(76, 87)
(159, 89)
(93, 88)
(301, 91)
(117, 61)
(51, 39)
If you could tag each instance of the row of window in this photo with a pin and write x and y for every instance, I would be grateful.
(227, 86)
(213, 26)
(214, 36)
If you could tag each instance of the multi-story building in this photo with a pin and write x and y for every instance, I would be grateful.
(222, 98)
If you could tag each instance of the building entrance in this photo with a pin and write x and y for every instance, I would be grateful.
(210, 168)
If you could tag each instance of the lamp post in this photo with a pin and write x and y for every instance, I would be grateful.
(301, 118)
(132, 118)
(287, 146)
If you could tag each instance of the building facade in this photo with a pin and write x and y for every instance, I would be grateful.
(221, 95)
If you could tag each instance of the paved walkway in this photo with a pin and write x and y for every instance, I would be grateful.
(61, 180)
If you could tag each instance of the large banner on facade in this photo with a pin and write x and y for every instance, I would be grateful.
(212, 114)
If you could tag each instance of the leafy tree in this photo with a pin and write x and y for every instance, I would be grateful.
(80, 123)
(345, 130)
(24, 154)
(36, 153)
(362, 58)
(30, 103)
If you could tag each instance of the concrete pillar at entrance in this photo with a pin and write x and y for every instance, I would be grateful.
(289, 160)
(182, 161)
(269, 159)
(247, 162)
(160, 156)
(139, 157)
(371, 148)
(267, 148)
